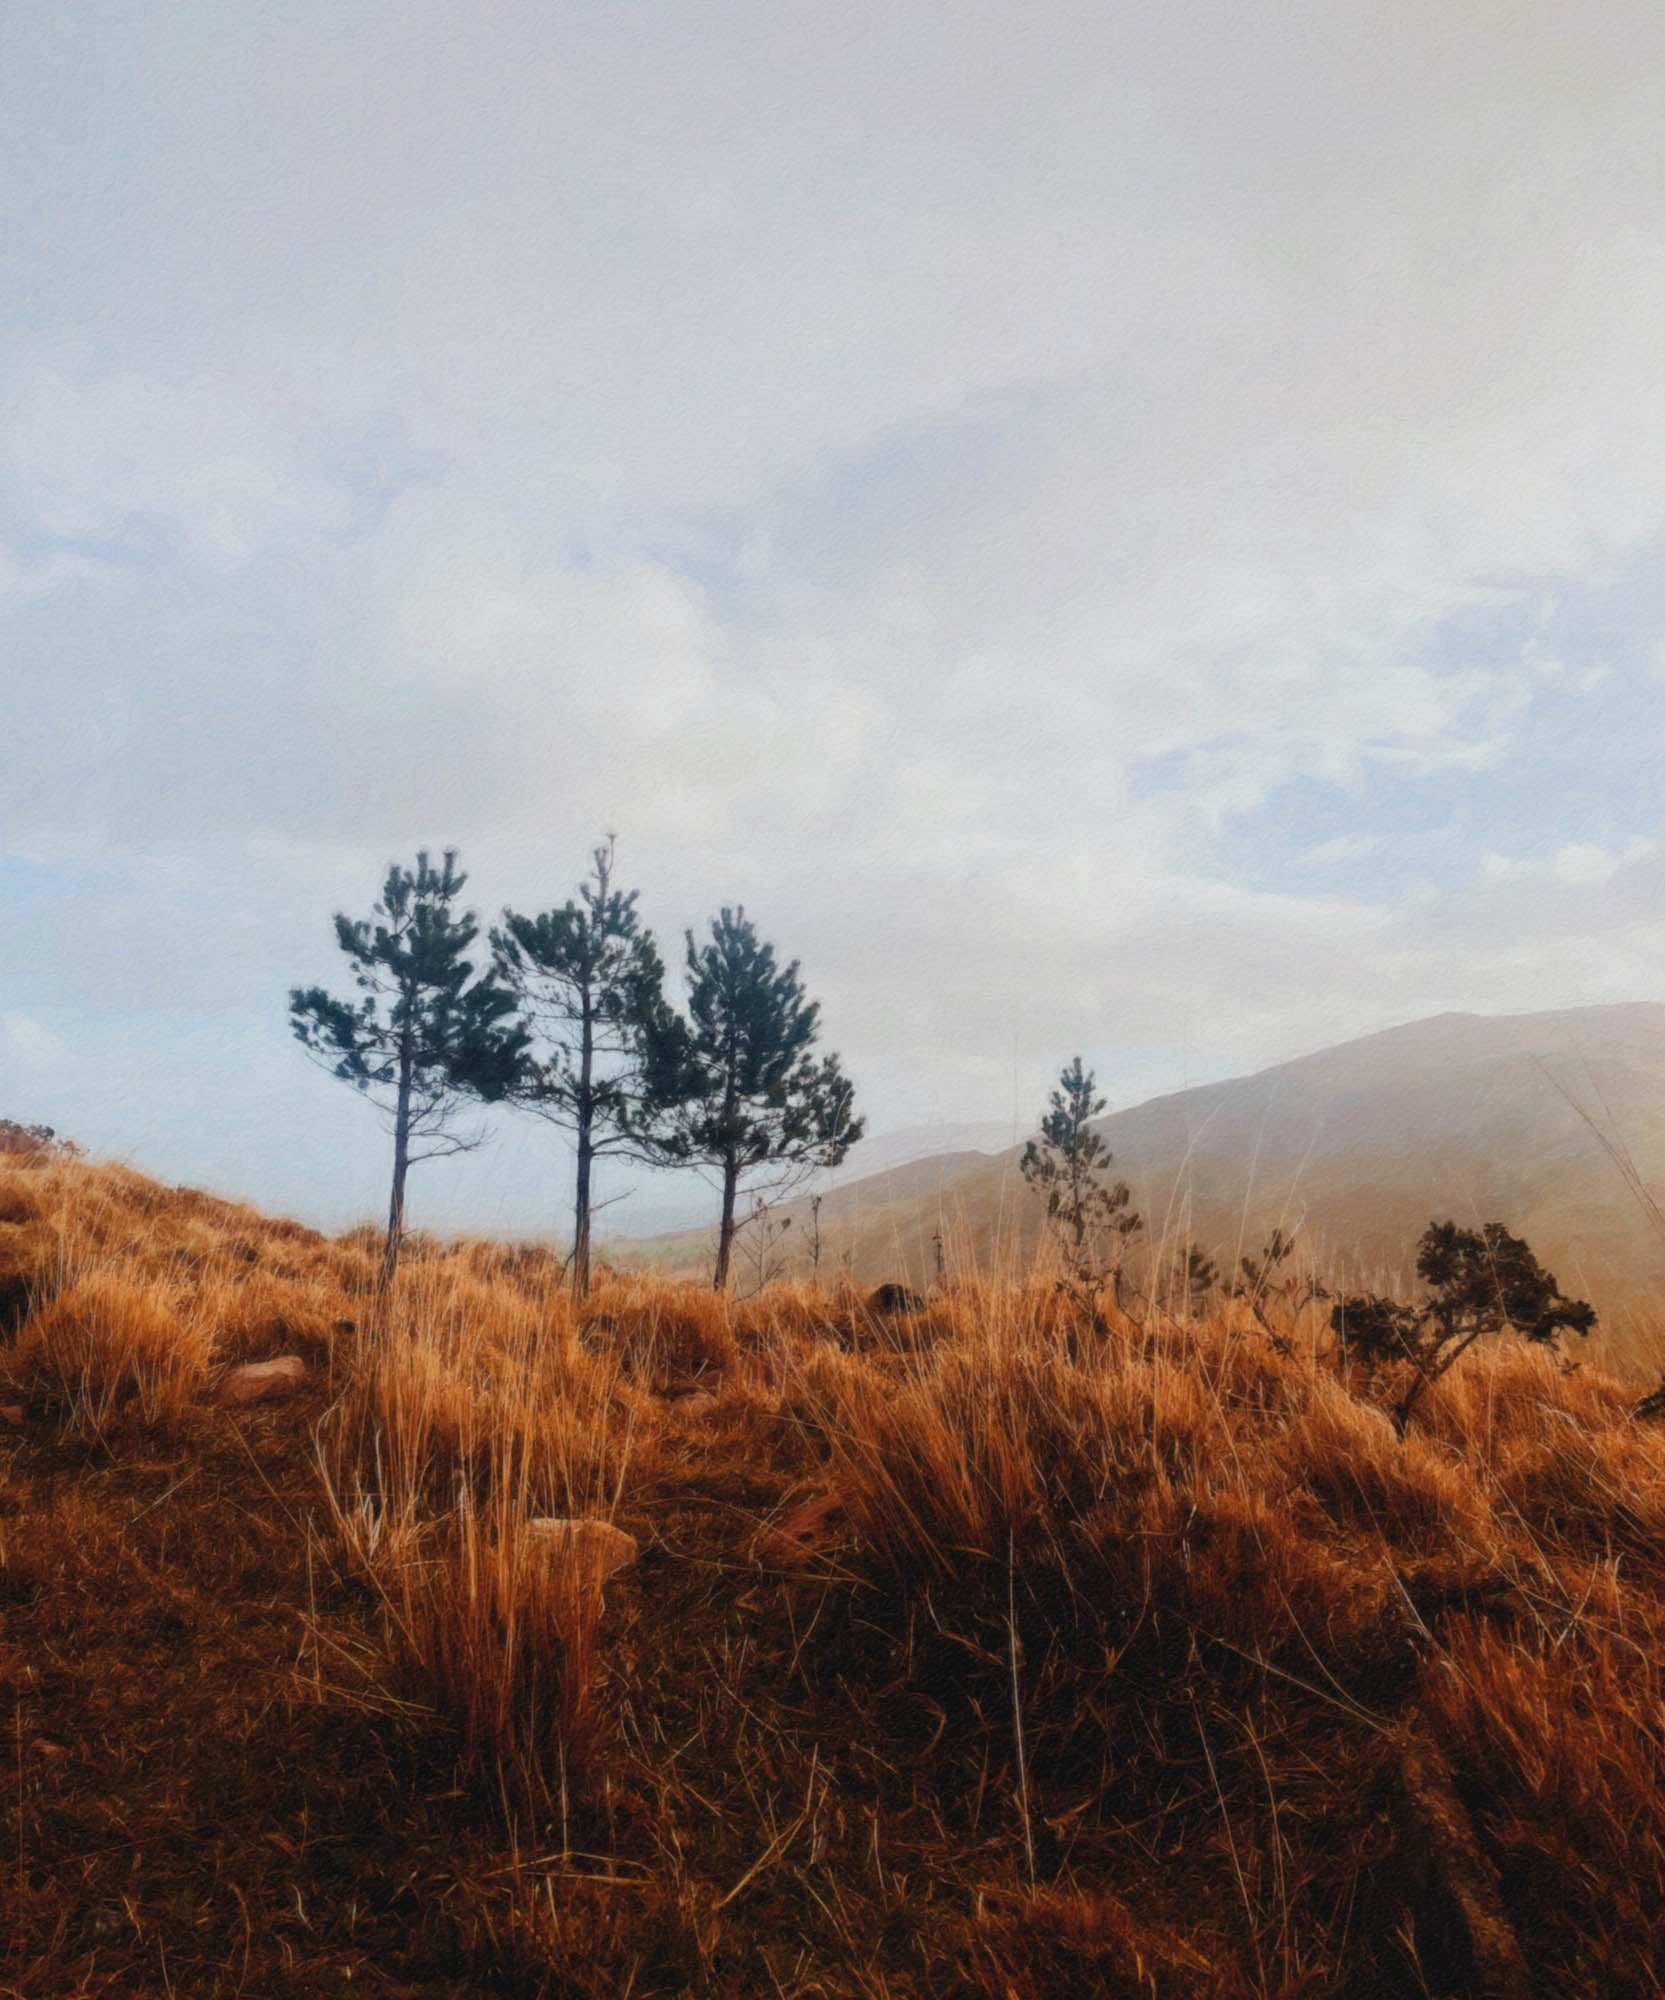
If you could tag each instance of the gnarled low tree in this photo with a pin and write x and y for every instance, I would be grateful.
(1480, 1282)
(426, 1036)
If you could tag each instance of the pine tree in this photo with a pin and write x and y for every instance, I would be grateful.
(1091, 1216)
(752, 1094)
(427, 1036)
(591, 983)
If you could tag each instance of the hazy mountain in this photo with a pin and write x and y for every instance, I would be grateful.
(881, 1151)
(679, 1207)
(1485, 1118)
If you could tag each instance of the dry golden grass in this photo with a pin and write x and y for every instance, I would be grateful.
(1009, 1647)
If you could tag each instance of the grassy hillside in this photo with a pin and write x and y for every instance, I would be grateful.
(1004, 1647)
(1484, 1118)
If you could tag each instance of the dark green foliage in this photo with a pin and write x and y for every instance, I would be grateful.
(1256, 1279)
(1263, 1280)
(1480, 1281)
(1091, 1216)
(749, 1092)
(1652, 1404)
(591, 983)
(426, 1034)
(1201, 1274)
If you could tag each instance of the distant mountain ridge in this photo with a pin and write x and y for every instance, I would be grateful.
(1481, 1117)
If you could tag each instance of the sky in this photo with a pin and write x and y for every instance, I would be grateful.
(1122, 529)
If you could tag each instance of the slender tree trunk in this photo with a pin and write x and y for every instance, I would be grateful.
(731, 1158)
(1407, 1403)
(581, 1217)
(586, 1148)
(725, 1228)
(401, 1165)
(1078, 1226)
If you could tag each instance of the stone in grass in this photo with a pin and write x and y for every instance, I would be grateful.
(887, 1300)
(256, 1381)
(594, 1548)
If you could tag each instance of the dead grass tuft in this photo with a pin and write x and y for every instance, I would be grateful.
(104, 1341)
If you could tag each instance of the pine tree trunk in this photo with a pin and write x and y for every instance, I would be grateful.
(586, 1150)
(581, 1217)
(401, 1165)
(725, 1229)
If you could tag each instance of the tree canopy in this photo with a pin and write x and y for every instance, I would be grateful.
(1069, 1164)
(1480, 1282)
(427, 1034)
(591, 986)
(751, 1094)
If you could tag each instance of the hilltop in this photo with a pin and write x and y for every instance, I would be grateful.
(1485, 1118)
(992, 1648)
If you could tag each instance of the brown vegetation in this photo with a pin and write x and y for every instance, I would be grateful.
(989, 1644)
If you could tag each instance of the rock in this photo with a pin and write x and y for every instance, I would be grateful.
(255, 1381)
(894, 1298)
(595, 1549)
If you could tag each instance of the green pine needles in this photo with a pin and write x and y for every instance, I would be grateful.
(427, 1036)
(591, 985)
(752, 1096)
(1480, 1282)
(569, 1019)
(1092, 1217)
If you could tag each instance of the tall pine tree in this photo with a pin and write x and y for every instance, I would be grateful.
(591, 983)
(752, 1094)
(426, 1035)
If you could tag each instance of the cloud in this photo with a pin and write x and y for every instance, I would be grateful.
(1346, 847)
(949, 484)
(28, 1051)
(1578, 864)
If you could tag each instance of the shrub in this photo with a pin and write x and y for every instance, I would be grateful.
(1480, 1282)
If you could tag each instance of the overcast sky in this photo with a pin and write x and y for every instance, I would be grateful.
(1131, 529)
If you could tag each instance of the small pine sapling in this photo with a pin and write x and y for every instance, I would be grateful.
(1480, 1281)
(1262, 1281)
(1202, 1274)
(765, 1233)
(1091, 1216)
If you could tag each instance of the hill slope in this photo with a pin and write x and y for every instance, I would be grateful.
(1471, 1116)
(986, 1653)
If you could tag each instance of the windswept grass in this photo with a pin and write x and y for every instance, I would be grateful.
(1013, 1645)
